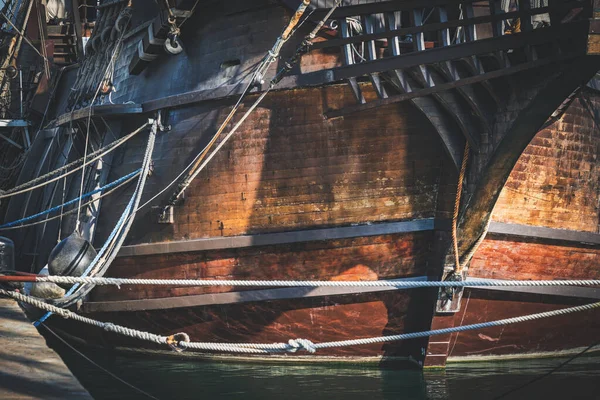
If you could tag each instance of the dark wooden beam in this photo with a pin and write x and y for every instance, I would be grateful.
(247, 296)
(540, 232)
(386, 228)
(479, 101)
(561, 81)
(77, 29)
(235, 297)
(440, 26)
(464, 50)
(455, 106)
(449, 85)
(562, 291)
(107, 110)
(268, 239)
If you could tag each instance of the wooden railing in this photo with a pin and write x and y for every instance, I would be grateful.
(391, 37)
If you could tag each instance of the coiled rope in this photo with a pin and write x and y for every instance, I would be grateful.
(181, 341)
(70, 202)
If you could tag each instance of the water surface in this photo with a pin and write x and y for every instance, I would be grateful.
(168, 378)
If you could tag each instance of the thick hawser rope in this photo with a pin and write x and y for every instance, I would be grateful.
(181, 341)
(473, 282)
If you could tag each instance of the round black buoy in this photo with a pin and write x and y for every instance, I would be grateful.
(71, 256)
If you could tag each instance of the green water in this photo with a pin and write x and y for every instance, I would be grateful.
(169, 378)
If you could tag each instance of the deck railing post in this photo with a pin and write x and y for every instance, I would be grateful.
(497, 24)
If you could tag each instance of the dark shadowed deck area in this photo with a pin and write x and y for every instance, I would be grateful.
(28, 368)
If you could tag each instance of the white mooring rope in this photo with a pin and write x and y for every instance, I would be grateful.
(181, 341)
(285, 283)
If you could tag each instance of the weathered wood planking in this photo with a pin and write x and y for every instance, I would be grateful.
(288, 169)
(367, 258)
(556, 182)
(551, 335)
(499, 258)
(319, 319)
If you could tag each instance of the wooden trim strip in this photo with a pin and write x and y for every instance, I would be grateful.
(268, 239)
(539, 232)
(106, 110)
(386, 228)
(233, 297)
(564, 291)
(301, 292)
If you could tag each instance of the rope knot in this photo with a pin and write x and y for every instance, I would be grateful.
(174, 341)
(63, 313)
(109, 327)
(301, 344)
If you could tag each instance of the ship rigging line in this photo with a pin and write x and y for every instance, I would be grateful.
(101, 152)
(63, 214)
(107, 74)
(111, 247)
(22, 35)
(459, 188)
(70, 202)
(181, 341)
(199, 162)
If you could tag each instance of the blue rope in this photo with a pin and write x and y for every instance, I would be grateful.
(70, 202)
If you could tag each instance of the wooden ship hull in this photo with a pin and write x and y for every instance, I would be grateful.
(348, 170)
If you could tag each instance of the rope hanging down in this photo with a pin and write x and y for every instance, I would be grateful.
(458, 265)
(70, 202)
(100, 281)
(459, 187)
(181, 341)
(23, 36)
(113, 244)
